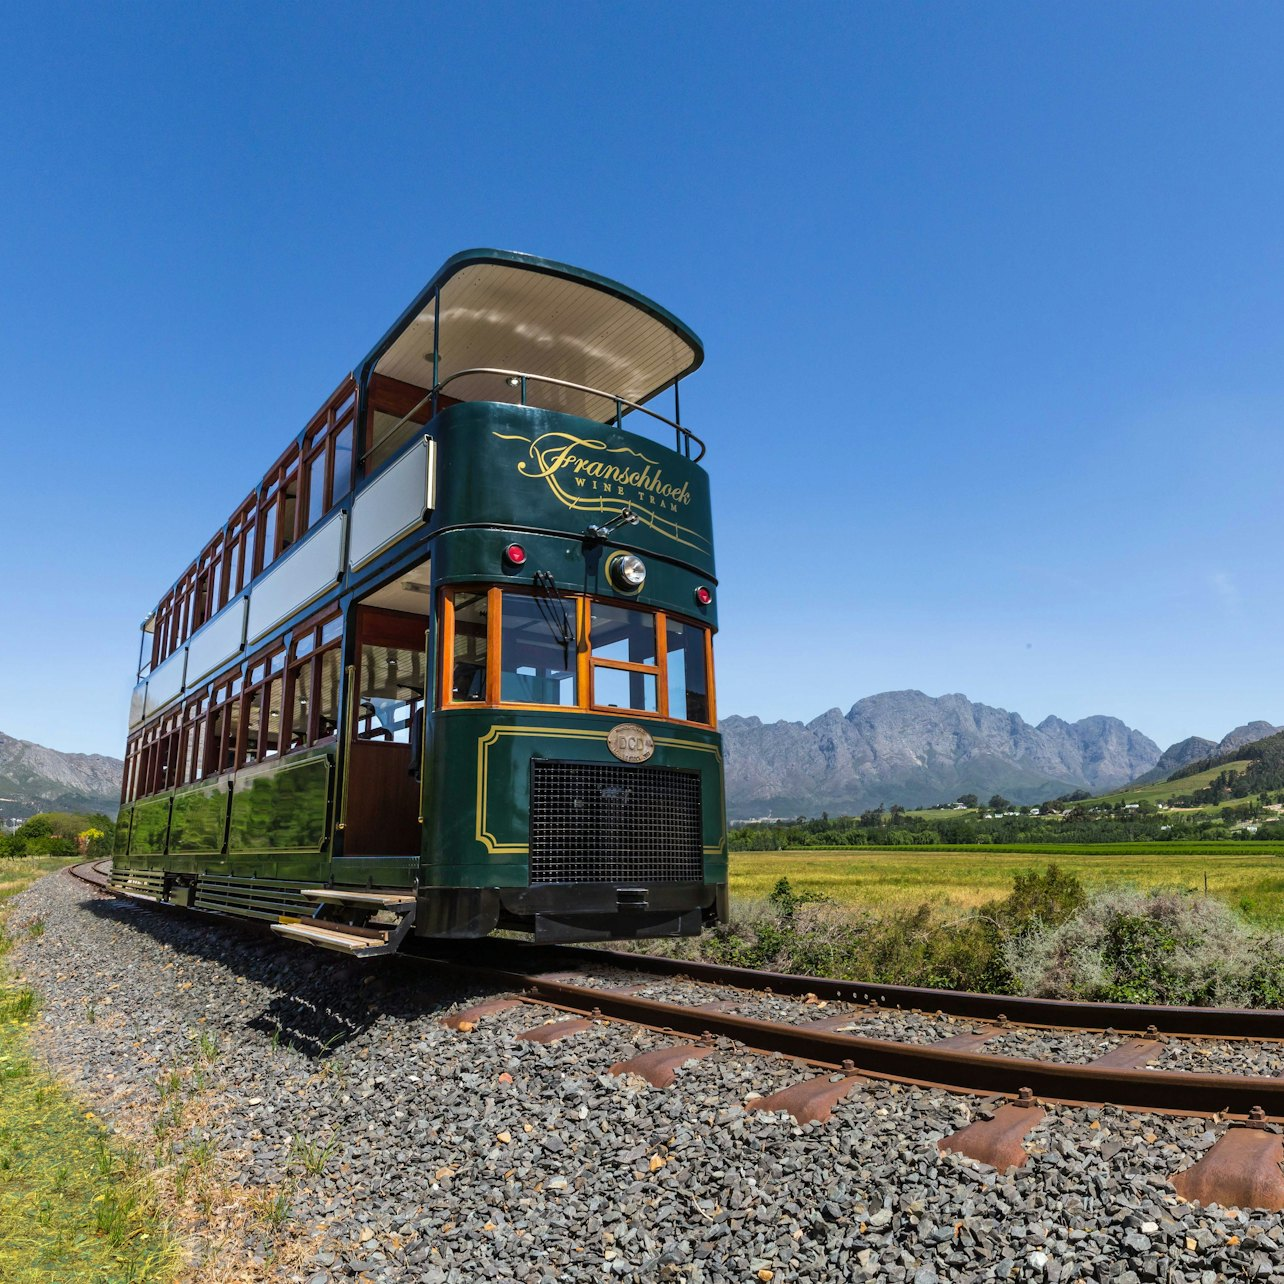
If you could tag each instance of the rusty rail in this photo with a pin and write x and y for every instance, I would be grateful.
(954, 1068)
(1068, 1014)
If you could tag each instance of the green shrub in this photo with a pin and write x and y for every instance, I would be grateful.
(808, 935)
(1047, 937)
(1163, 947)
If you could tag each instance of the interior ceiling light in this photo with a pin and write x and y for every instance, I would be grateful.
(514, 381)
(628, 571)
(515, 554)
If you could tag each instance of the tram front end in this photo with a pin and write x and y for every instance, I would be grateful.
(573, 771)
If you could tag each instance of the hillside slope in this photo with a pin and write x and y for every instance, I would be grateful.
(34, 778)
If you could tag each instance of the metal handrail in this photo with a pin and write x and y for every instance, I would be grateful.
(685, 437)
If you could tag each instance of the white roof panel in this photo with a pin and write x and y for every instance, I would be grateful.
(511, 317)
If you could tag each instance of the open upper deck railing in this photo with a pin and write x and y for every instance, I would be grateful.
(686, 440)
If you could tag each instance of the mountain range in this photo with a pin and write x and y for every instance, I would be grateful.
(896, 747)
(913, 749)
(34, 778)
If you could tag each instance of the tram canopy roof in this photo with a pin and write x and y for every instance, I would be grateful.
(501, 310)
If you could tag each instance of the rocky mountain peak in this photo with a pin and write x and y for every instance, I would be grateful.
(911, 748)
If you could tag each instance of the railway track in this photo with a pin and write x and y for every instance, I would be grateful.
(1243, 1168)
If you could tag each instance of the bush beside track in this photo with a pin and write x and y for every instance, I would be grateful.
(1050, 937)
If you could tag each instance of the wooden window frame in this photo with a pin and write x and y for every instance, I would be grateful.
(222, 571)
(660, 625)
(242, 526)
(321, 437)
(261, 672)
(308, 636)
(585, 663)
(129, 776)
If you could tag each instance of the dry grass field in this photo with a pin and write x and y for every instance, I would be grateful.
(1250, 881)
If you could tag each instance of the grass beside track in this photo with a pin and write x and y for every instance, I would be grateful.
(71, 1207)
(1250, 880)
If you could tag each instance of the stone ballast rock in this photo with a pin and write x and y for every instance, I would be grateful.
(477, 1157)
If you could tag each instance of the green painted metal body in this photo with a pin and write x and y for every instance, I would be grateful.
(503, 473)
(484, 757)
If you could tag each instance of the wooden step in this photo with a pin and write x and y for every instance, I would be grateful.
(397, 902)
(333, 936)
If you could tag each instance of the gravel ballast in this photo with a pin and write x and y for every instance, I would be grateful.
(399, 1150)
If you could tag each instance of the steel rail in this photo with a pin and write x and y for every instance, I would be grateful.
(1069, 1014)
(100, 879)
(960, 1071)
(928, 1065)
(1057, 1014)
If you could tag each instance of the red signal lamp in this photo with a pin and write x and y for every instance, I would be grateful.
(515, 555)
(704, 595)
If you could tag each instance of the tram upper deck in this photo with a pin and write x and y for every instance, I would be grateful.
(493, 327)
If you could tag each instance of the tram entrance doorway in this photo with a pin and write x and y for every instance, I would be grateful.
(382, 803)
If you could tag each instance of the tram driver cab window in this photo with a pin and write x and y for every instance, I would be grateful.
(468, 663)
(537, 650)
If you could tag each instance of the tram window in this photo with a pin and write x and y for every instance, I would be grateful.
(622, 634)
(688, 683)
(232, 723)
(328, 693)
(289, 507)
(270, 736)
(214, 743)
(253, 715)
(624, 689)
(187, 768)
(392, 686)
(316, 488)
(267, 525)
(342, 482)
(468, 671)
(167, 758)
(196, 750)
(387, 436)
(300, 704)
(537, 650)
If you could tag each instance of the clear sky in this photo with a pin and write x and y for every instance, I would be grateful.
(992, 298)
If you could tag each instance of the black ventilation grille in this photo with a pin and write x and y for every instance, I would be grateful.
(601, 823)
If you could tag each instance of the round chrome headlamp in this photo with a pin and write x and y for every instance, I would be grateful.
(627, 571)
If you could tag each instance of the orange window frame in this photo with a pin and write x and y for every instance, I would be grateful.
(585, 663)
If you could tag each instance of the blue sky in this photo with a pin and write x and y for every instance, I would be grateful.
(991, 295)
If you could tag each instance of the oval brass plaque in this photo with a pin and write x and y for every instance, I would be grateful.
(630, 743)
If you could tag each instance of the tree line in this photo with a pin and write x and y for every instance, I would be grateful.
(895, 827)
(60, 833)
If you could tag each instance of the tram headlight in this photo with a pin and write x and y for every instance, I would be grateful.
(627, 571)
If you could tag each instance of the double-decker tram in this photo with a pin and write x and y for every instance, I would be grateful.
(449, 668)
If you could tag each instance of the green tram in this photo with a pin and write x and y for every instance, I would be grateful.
(449, 667)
